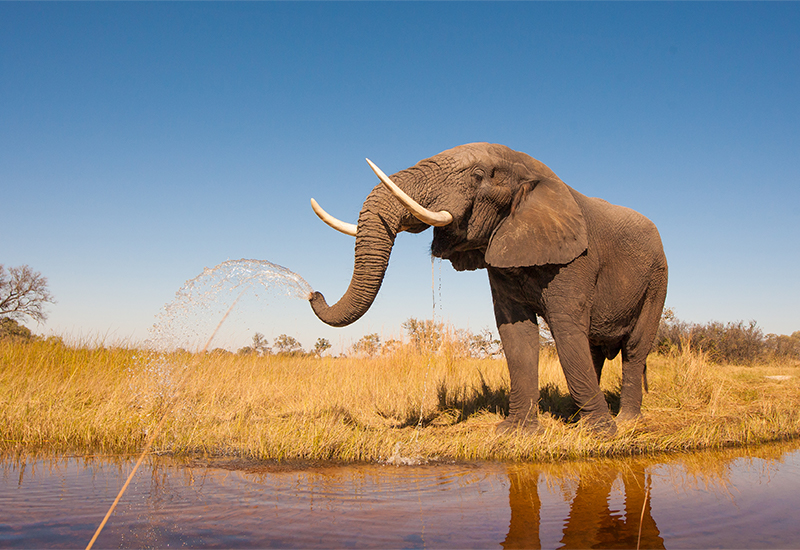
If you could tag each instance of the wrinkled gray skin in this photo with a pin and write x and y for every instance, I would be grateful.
(596, 272)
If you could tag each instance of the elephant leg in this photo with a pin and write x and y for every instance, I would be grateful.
(519, 333)
(521, 347)
(634, 354)
(575, 355)
(630, 406)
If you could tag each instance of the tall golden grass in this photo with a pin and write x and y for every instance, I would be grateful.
(404, 406)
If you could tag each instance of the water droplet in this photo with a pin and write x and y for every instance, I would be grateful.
(189, 321)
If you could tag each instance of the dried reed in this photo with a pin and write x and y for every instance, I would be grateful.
(404, 404)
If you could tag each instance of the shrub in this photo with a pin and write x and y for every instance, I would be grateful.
(9, 328)
(321, 346)
(288, 345)
(736, 342)
(781, 345)
(369, 345)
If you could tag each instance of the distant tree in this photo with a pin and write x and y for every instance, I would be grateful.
(425, 335)
(288, 345)
(260, 344)
(9, 328)
(369, 344)
(673, 334)
(247, 350)
(390, 346)
(321, 346)
(23, 292)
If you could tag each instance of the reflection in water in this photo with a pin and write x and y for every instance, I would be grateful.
(701, 500)
(523, 499)
(591, 522)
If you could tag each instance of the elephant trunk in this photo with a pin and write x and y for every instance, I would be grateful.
(378, 224)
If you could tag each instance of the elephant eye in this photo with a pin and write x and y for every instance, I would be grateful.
(478, 175)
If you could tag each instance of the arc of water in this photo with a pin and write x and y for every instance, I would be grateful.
(160, 425)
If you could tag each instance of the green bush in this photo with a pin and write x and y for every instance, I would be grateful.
(9, 328)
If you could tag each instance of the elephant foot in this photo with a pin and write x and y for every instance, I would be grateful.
(525, 425)
(601, 424)
(625, 417)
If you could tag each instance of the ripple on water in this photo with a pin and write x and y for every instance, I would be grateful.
(744, 498)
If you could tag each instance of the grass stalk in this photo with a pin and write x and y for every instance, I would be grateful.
(57, 398)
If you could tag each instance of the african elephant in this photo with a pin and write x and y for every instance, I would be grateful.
(596, 272)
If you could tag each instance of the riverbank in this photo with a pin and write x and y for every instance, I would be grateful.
(402, 407)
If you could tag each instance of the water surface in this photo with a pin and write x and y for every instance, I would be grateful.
(737, 499)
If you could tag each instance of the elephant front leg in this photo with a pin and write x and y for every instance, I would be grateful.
(521, 347)
(519, 334)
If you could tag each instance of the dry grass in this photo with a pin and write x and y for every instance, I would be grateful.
(405, 405)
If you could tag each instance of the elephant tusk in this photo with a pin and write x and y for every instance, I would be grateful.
(437, 219)
(338, 225)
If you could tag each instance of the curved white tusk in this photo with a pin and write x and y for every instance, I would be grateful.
(338, 225)
(437, 219)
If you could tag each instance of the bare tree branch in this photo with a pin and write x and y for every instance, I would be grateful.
(23, 292)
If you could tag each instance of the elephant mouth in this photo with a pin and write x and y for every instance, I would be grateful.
(450, 253)
(462, 255)
(448, 242)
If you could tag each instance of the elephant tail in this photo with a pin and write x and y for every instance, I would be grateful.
(644, 379)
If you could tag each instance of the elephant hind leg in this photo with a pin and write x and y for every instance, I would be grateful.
(634, 365)
(630, 406)
(636, 349)
(577, 360)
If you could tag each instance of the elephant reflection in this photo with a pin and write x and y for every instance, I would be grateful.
(591, 523)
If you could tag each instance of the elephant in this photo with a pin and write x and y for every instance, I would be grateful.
(594, 271)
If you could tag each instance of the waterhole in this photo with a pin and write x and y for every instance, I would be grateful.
(746, 498)
(738, 499)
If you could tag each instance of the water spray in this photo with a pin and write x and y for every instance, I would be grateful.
(243, 274)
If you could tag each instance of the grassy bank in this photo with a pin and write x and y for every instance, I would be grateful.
(403, 405)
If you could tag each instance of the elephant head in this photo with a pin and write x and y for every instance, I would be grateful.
(489, 205)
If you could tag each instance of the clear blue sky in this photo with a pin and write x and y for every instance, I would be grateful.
(140, 143)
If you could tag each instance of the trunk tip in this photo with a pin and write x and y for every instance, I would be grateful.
(327, 314)
(318, 302)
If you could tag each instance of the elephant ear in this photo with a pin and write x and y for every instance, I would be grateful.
(545, 226)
